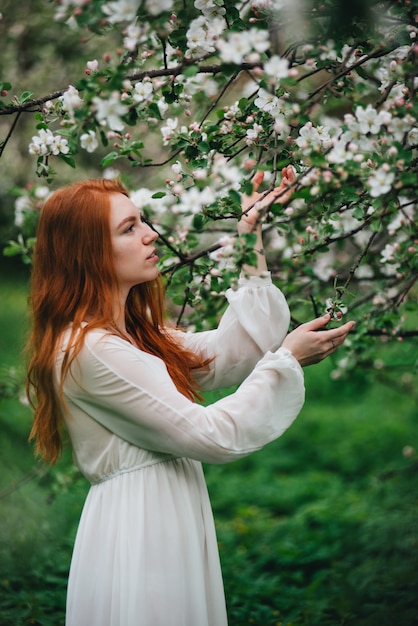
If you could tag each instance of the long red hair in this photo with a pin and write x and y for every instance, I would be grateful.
(73, 280)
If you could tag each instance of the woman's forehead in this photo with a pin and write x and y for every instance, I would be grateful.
(121, 207)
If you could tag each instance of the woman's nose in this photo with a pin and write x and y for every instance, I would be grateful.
(150, 234)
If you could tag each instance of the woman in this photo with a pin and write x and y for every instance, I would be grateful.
(105, 363)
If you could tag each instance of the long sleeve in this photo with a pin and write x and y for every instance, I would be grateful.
(255, 322)
(131, 394)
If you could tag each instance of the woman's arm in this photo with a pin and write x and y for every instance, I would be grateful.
(253, 209)
(131, 394)
(257, 319)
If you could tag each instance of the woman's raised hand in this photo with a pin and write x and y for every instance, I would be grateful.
(309, 344)
(252, 205)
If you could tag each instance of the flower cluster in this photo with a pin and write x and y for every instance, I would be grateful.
(203, 92)
(45, 143)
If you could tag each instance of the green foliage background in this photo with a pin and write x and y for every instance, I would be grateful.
(319, 528)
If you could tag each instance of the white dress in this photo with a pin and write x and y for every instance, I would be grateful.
(146, 552)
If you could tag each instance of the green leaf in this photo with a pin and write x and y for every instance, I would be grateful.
(12, 249)
(154, 111)
(247, 188)
(204, 146)
(69, 160)
(234, 196)
(25, 96)
(198, 222)
(191, 71)
(158, 194)
(109, 159)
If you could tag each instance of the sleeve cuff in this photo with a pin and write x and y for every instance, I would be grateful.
(253, 281)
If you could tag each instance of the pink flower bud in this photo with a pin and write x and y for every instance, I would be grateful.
(93, 66)
(249, 164)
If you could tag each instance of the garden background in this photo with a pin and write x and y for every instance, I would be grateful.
(318, 529)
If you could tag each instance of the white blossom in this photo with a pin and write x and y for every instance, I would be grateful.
(47, 143)
(224, 255)
(59, 145)
(258, 39)
(169, 128)
(71, 100)
(155, 7)
(413, 137)
(142, 198)
(281, 126)
(110, 173)
(398, 127)
(209, 8)
(63, 7)
(380, 182)
(201, 36)
(277, 67)
(110, 111)
(121, 10)
(387, 253)
(323, 269)
(252, 133)
(162, 106)
(328, 51)
(22, 206)
(93, 66)
(235, 48)
(88, 141)
(309, 137)
(340, 153)
(177, 167)
(370, 121)
(266, 101)
(192, 200)
(143, 91)
(132, 36)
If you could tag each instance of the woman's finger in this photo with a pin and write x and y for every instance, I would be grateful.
(257, 179)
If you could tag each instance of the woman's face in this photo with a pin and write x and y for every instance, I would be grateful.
(132, 243)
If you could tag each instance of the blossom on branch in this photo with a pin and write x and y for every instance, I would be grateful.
(70, 101)
(47, 143)
(143, 91)
(380, 182)
(89, 141)
(121, 10)
(110, 111)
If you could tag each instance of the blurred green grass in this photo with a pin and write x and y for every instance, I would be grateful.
(319, 528)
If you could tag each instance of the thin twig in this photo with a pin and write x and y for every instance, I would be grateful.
(36, 472)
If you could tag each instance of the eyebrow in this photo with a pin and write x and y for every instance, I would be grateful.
(131, 218)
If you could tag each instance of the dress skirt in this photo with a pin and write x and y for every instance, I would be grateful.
(146, 551)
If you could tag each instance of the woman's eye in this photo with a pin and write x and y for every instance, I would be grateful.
(129, 229)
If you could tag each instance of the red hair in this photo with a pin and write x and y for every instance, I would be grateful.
(73, 280)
